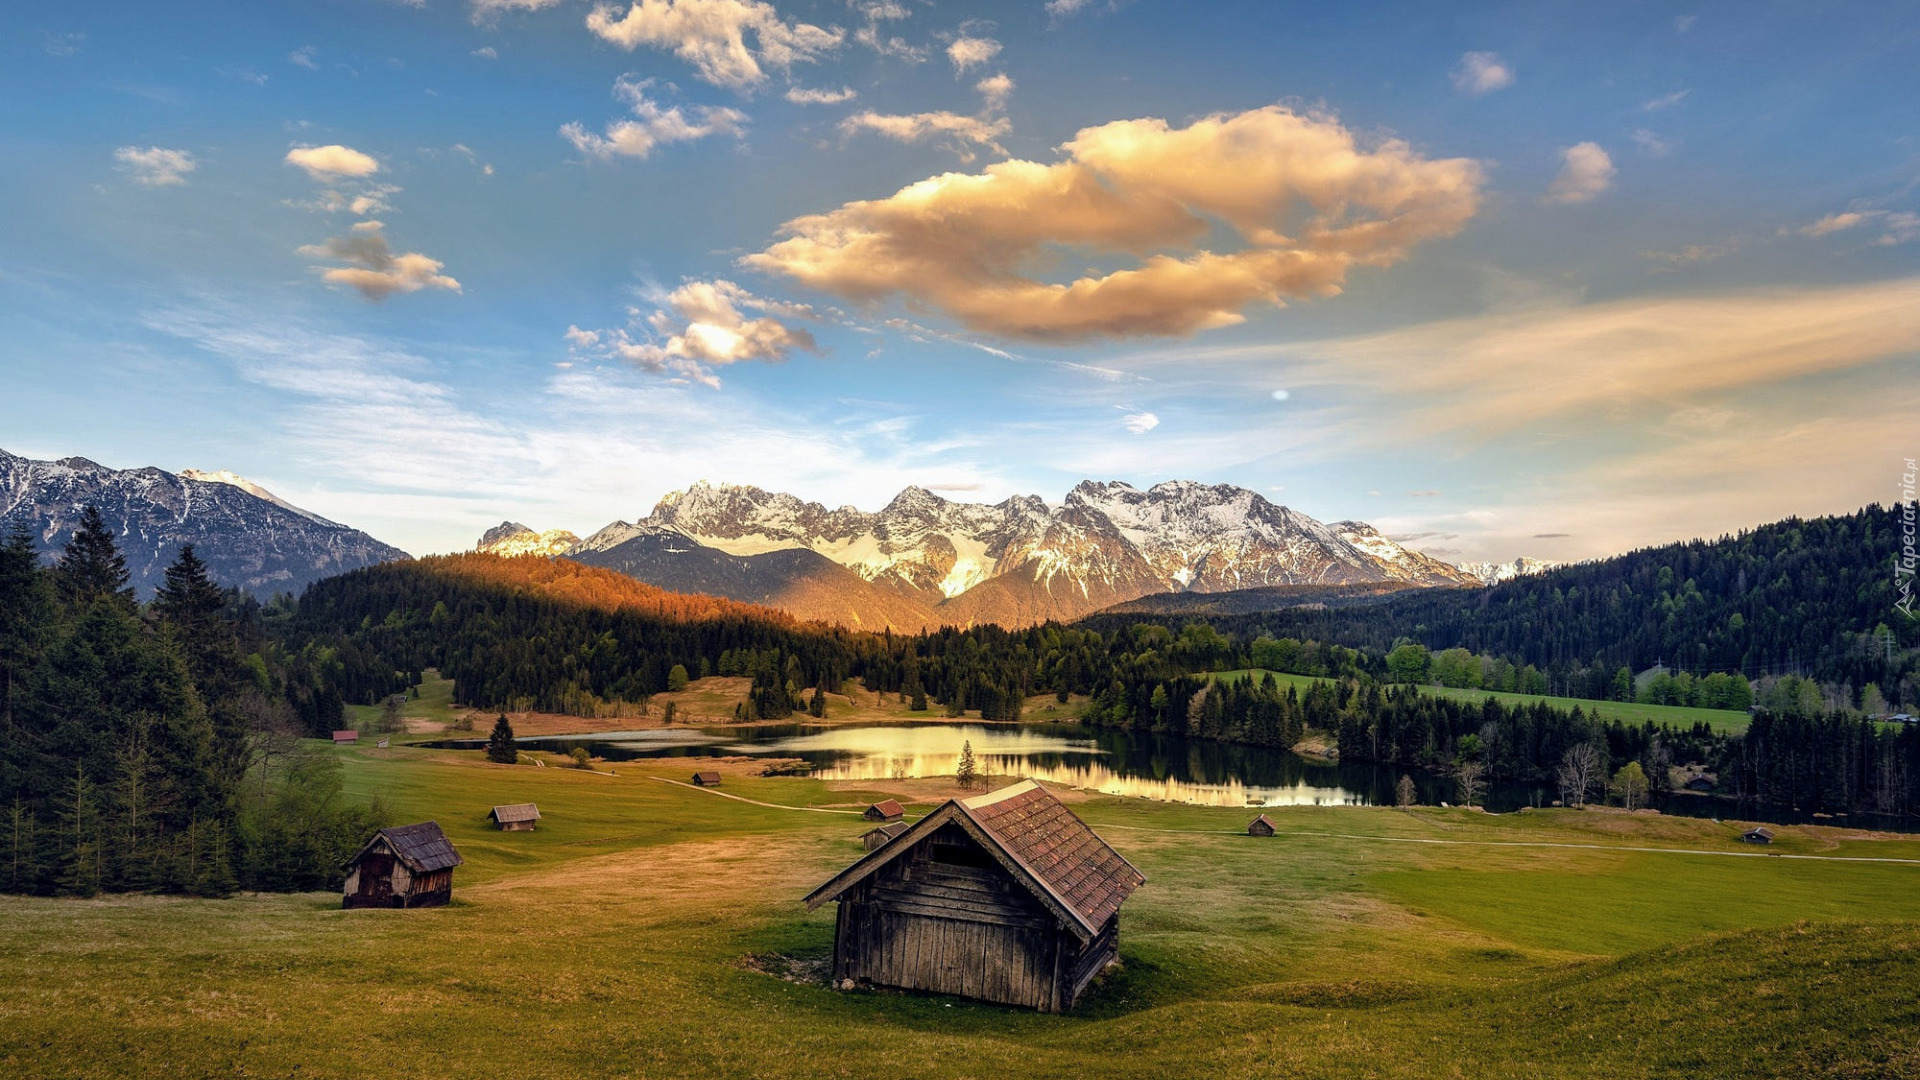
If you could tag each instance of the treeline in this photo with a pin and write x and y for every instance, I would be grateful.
(155, 748)
(1813, 598)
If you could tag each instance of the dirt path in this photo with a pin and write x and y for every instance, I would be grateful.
(756, 802)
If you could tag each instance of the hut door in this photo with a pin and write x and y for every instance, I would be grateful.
(376, 877)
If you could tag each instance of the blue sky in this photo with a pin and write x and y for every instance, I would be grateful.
(1544, 279)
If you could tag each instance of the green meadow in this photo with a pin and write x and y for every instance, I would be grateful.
(651, 929)
(1680, 716)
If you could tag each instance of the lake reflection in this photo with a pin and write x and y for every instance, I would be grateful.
(1116, 763)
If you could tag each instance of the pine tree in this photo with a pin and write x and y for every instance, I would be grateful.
(817, 705)
(25, 614)
(500, 745)
(968, 772)
(92, 567)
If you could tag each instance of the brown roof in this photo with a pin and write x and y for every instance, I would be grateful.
(885, 808)
(706, 778)
(1038, 839)
(346, 736)
(524, 811)
(891, 828)
(422, 847)
(1259, 819)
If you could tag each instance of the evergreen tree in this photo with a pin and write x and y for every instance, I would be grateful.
(968, 771)
(500, 745)
(92, 567)
(817, 704)
(193, 610)
(25, 616)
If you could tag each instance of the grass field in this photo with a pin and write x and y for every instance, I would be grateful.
(625, 937)
(1680, 716)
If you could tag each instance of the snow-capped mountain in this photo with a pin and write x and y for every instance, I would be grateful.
(1491, 573)
(247, 536)
(1015, 562)
(512, 538)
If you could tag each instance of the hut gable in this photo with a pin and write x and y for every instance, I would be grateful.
(880, 834)
(885, 810)
(1007, 897)
(1758, 835)
(515, 817)
(403, 866)
(707, 779)
(1260, 826)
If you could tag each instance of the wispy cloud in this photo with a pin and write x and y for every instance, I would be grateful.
(700, 326)
(305, 57)
(155, 166)
(1586, 172)
(1666, 101)
(801, 95)
(373, 268)
(652, 124)
(1481, 73)
(711, 36)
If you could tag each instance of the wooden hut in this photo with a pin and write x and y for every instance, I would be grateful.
(1260, 826)
(406, 866)
(885, 810)
(706, 779)
(515, 817)
(1759, 834)
(346, 737)
(880, 834)
(1007, 897)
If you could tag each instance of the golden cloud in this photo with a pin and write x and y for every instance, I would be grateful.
(712, 35)
(700, 326)
(1306, 198)
(322, 162)
(373, 267)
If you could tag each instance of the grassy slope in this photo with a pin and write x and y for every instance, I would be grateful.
(609, 944)
(1680, 716)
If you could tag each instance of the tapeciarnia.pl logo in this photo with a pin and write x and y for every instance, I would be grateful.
(1903, 564)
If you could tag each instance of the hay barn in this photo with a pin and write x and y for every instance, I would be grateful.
(1007, 897)
(515, 817)
(1759, 835)
(885, 810)
(346, 736)
(706, 779)
(880, 834)
(406, 866)
(1260, 826)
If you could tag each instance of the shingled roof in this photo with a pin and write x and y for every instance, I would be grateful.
(525, 811)
(423, 847)
(1037, 839)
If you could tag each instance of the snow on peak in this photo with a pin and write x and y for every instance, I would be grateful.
(222, 476)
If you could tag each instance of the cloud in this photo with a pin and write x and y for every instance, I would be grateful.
(1694, 254)
(1307, 199)
(802, 96)
(652, 124)
(1422, 494)
(1651, 144)
(1140, 422)
(323, 162)
(1898, 227)
(1481, 73)
(368, 199)
(1684, 23)
(1666, 101)
(1588, 172)
(488, 11)
(963, 134)
(486, 52)
(1551, 536)
(971, 52)
(701, 326)
(712, 36)
(304, 57)
(1504, 370)
(876, 13)
(61, 45)
(1061, 9)
(373, 268)
(996, 91)
(1281, 395)
(154, 166)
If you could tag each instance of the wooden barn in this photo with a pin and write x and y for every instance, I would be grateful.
(515, 817)
(885, 810)
(1758, 835)
(406, 866)
(706, 779)
(1260, 826)
(346, 736)
(880, 834)
(1007, 897)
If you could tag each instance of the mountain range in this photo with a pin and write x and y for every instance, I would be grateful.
(247, 536)
(924, 560)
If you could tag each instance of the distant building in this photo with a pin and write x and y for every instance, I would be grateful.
(346, 737)
(1260, 826)
(884, 810)
(1007, 897)
(880, 834)
(515, 817)
(406, 866)
(706, 779)
(1700, 782)
(1759, 834)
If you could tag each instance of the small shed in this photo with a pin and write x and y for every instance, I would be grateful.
(406, 866)
(1700, 782)
(880, 834)
(1759, 834)
(1007, 897)
(515, 817)
(346, 736)
(884, 810)
(706, 779)
(1260, 826)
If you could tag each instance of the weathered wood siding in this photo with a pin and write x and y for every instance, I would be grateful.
(926, 924)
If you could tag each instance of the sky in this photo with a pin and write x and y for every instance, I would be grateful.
(1543, 279)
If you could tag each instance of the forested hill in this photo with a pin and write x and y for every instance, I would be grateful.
(1800, 596)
